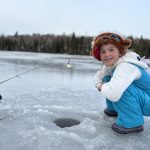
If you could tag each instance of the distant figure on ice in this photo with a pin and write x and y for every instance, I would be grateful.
(123, 80)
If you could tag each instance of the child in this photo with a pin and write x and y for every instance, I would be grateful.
(123, 80)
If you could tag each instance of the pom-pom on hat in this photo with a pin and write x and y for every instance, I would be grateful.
(107, 37)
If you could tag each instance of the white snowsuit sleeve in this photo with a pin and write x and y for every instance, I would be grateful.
(123, 76)
(104, 71)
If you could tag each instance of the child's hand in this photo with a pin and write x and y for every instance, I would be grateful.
(99, 86)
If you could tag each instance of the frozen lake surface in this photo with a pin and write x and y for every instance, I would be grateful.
(33, 102)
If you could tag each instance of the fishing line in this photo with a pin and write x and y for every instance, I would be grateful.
(18, 75)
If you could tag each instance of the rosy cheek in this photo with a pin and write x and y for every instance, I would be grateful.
(102, 56)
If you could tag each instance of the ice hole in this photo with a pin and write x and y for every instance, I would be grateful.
(66, 122)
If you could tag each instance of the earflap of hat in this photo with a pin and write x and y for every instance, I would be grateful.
(96, 53)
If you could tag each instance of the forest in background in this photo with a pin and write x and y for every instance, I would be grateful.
(62, 44)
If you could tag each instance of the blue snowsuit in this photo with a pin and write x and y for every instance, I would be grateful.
(134, 103)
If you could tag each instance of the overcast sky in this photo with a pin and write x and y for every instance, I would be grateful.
(84, 17)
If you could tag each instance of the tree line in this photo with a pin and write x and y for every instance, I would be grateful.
(68, 44)
(141, 46)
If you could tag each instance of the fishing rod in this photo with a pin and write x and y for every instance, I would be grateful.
(19, 75)
(16, 77)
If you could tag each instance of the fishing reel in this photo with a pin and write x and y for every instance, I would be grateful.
(0, 97)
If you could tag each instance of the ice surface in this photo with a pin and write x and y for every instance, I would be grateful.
(32, 102)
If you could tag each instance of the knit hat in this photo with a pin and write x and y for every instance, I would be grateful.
(107, 37)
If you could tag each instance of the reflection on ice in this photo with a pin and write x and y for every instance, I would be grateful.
(31, 104)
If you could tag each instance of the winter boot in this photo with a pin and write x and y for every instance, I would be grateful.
(123, 130)
(110, 113)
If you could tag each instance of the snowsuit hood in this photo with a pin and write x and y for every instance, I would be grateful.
(132, 57)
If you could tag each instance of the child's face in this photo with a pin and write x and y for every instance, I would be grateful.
(109, 54)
